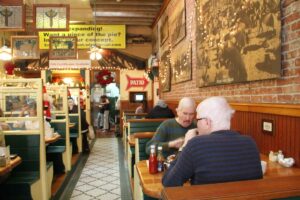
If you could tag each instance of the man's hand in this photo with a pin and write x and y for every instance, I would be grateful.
(176, 143)
(189, 135)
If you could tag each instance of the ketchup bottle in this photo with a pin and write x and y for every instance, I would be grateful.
(152, 160)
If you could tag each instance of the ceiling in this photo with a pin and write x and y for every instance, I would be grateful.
(128, 12)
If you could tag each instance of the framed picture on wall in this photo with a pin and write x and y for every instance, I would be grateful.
(12, 17)
(181, 58)
(25, 47)
(165, 71)
(63, 48)
(177, 19)
(51, 17)
(164, 30)
(237, 48)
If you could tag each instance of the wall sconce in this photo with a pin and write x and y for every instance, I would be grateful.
(5, 53)
(95, 53)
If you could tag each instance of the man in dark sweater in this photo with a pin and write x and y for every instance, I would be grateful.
(213, 153)
(170, 134)
(160, 110)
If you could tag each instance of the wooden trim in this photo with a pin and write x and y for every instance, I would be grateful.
(141, 135)
(276, 109)
(254, 189)
(135, 114)
(131, 140)
(161, 12)
(147, 120)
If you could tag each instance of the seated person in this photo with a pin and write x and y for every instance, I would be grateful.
(213, 153)
(3, 126)
(73, 108)
(160, 110)
(170, 134)
(142, 108)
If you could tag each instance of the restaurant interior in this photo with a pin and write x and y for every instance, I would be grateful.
(62, 61)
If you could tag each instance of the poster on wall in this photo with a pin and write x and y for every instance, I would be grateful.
(237, 41)
(165, 70)
(163, 29)
(181, 62)
(177, 19)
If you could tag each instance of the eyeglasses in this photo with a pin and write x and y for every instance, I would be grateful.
(201, 118)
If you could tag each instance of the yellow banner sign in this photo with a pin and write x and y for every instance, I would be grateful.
(107, 36)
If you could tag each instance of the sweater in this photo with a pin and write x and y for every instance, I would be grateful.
(222, 156)
(167, 131)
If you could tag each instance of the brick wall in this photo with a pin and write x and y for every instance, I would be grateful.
(283, 90)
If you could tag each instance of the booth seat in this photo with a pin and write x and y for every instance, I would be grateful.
(139, 125)
(24, 181)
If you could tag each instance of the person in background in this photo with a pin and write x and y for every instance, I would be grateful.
(170, 134)
(142, 108)
(84, 130)
(213, 153)
(160, 110)
(117, 117)
(3, 126)
(103, 119)
(73, 108)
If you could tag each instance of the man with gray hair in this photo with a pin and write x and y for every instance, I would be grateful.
(170, 134)
(213, 153)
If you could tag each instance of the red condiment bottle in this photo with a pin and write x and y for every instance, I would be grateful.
(152, 161)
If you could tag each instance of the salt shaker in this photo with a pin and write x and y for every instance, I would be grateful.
(272, 156)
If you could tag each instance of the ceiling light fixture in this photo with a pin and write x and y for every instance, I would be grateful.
(95, 52)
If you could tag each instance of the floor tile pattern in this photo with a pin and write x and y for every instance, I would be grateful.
(100, 178)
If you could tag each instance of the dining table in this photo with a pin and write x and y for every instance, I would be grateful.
(52, 139)
(151, 184)
(9, 167)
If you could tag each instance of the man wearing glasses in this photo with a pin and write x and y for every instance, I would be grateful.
(170, 134)
(213, 153)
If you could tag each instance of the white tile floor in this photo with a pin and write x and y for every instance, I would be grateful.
(100, 178)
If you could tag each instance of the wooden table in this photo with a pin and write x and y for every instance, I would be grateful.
(270, 188)
(13, 163)
(53, 139)
(151, 183)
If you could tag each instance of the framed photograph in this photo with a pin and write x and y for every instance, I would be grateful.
(165, 71)
(155, 40)
(25, 47)
(177, 19)
(164, 30)
(237, 48)
(51, 17)
(181, 58)
(12, 17)
(63, 48)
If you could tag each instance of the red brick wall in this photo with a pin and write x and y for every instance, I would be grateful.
(283, 90)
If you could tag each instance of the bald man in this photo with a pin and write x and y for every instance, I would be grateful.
(170, 134)
(213, 153)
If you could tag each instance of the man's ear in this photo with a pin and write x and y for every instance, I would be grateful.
(209, 122)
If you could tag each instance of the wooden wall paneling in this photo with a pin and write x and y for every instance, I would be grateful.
(286, 121)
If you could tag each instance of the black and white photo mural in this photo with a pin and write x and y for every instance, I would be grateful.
(237, 41)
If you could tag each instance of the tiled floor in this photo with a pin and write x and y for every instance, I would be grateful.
(100, 178)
